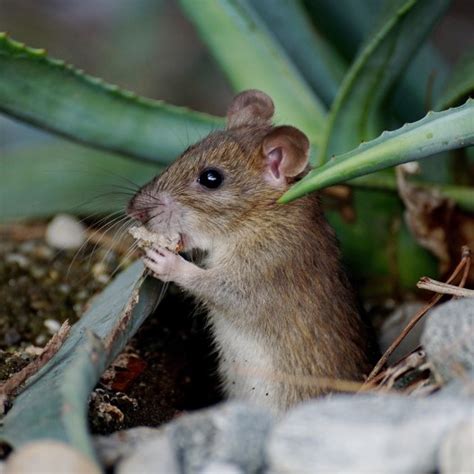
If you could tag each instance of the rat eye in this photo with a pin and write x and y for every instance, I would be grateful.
(211, 178)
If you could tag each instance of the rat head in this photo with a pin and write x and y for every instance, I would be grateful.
(227, 183)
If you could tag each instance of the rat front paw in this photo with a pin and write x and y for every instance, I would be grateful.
(168, 266)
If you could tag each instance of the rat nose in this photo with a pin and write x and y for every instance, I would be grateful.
(136, 213)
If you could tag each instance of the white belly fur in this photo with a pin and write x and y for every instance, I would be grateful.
(245, 365)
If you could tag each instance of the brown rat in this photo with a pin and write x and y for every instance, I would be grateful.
(280, 308)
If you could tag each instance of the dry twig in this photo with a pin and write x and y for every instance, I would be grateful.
(426, 283)
(462, 265)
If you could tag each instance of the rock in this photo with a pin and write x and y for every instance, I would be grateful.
(52, 457)
(155, 456)
(65, 232)
(448, 338)
(221, 468)
(231, 435)
(461, 387)
(121, 444)
(393, 326)
(457, 449)
(19, 259)
(364, 433)
(52, 325)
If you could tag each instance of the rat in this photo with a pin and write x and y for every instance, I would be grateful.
(280, 309)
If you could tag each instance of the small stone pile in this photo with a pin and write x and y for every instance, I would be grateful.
(340, 433)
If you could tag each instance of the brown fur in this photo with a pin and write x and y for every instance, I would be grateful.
(272, 271)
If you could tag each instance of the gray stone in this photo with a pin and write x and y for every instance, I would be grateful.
(364, 433)
(155, 456)
(457, 450)
(460, 387)
(121, 444)
(49, 456)
(221, 468)
(232, 433)
(448, 338)
(393, 326)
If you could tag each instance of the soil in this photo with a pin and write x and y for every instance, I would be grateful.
(167, 368)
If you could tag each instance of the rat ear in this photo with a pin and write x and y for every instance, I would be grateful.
(250, 107)
(286, 151)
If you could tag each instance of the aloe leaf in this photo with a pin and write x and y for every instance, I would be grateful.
(318, 61)
(423, 79)
(345, 31)
(39, 180)
(435, 133)
(251, 58)
(54, 96)
(354, 117)
(53, 403)
(460, 84)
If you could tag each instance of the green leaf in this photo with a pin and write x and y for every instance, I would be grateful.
(59, 98)
(42, 180)
(253, 59)
(356, 113)
(53, 404)
(318, 61)
(436, 132)
(460, 84)
(419, 85)
(345, 31)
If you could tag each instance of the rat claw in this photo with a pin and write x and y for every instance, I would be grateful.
(162, 263)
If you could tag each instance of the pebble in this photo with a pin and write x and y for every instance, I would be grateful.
(122, 444)
(364, 433)
(52, 457)
(221, 468)
(232, 434)
(460, 387)
(18, 258)
(52, 325)
(65, 232)
(448, 338)
(457, 449)
(153, 457)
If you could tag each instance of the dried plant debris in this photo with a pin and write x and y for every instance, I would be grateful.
(412, 375)
(435, 221)
(107, 408)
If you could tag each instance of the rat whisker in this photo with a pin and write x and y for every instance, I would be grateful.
(123, 260)
(118, 237)
(103, 230)
(90, 237)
